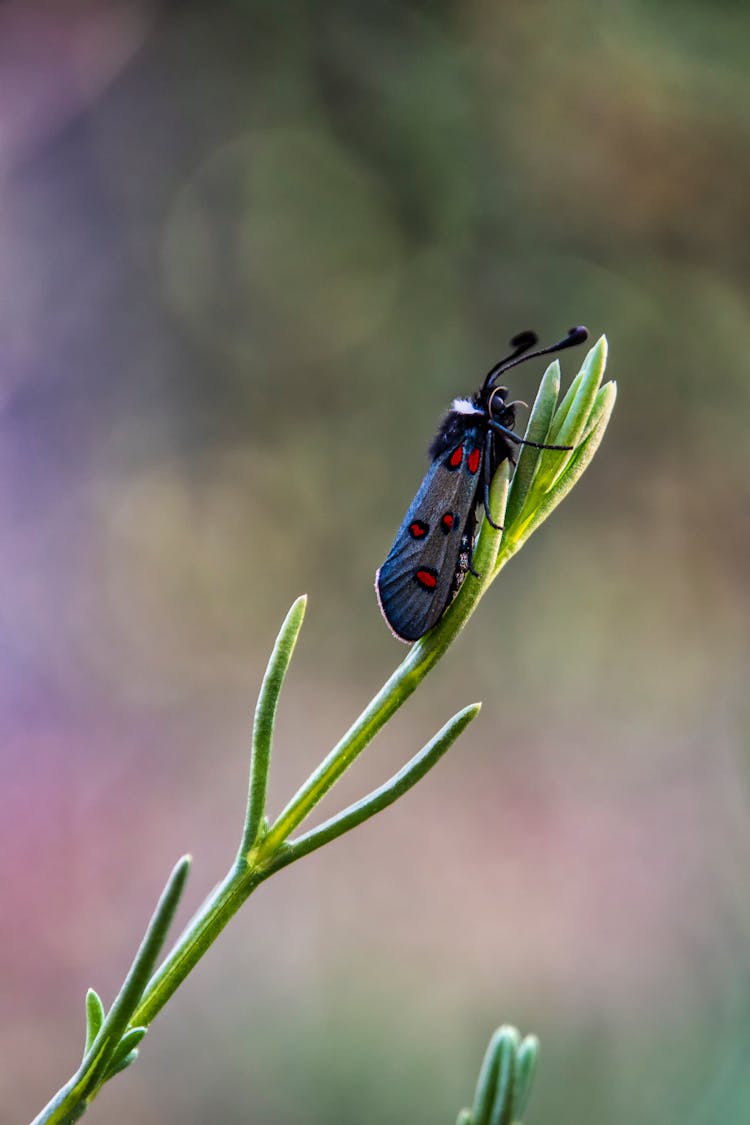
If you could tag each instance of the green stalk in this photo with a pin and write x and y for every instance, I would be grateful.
(201, 932)
(380, 798)
(250, 870)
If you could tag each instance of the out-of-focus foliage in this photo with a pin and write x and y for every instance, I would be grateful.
(248, 253)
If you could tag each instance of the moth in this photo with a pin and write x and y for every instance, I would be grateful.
(432, 552)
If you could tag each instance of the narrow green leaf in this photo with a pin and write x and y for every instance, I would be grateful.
(569, 429)
(380, 798)
(122, 1064)
(265, 718)
(603, 404)
(569, 423)
(526, 1062)
(94, 1017)
(583, 386)
(111, 1032)
(508, 1041)
(125, 1049)
(484, 1094)
(130, 1039)
(568, 398)
(539, 507)
(71, 1100)
(539, 422)
(579, 463)
(488, 540)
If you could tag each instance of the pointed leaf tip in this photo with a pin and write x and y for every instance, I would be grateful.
(466, 715)
(526, 1062)
(122, 1064)
(506, 1049)
(296, 612)
(541, 415)
(95, 1015)
(178, 878)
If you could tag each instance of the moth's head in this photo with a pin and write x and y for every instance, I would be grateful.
(500, 410)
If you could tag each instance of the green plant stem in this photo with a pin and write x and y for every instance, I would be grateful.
(249, 871)
(224, 901)
(381, 798)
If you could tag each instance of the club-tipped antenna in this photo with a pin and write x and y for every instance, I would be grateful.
(526, 340)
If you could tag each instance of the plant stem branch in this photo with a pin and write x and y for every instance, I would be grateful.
(380, 798)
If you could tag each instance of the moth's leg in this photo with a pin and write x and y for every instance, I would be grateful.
(487, 480)
(467, 543)
(469, 565)
(522, 441)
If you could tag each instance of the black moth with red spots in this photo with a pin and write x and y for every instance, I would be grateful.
(432, 551)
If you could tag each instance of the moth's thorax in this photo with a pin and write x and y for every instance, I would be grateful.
(464, 415)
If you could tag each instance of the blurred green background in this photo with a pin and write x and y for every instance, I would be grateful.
(248, 254)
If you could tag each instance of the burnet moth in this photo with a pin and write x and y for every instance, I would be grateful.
(432, 551)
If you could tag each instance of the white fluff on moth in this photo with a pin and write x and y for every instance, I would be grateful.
(465, 406)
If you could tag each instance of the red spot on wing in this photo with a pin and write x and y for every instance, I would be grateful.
(426, 578)
(418, 529)
(456, 457)
(447, 522)
(473, 459)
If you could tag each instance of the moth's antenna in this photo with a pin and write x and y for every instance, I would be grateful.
(527, 340)
(520, 344)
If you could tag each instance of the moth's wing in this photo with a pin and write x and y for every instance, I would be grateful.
(409, 606)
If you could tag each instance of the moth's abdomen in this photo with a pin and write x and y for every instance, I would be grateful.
(465, 553)
(430, 554)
